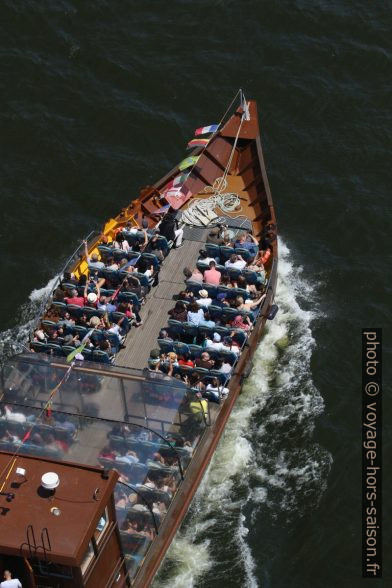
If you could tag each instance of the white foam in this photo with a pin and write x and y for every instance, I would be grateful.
(14, 340)
(248, 464)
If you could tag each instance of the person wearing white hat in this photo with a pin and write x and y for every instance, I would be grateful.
(214, 343)
(91, 298)
(204, 300)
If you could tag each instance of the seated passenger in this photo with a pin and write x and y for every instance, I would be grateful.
(93, 261)
(223, 366)
(241, 322)
(145, 267)
(249, 304)
(105, 303)
(247, 241)
(111, 264)
(214, 343)
(235, 261)
(207, 321)
(130, 458)
(120, 242)
(179, 312)
(67, 321)
(195, 275)
(212, 276)
(205, 361)
(132, 284)
(216, 389)
(205, 259)
(195, 314)
(214, 236)
(153, 247)
(204, 301)
(169, 228)
(230, 344)
(75, 299)
(185, 359)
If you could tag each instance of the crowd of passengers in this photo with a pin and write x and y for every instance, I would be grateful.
(155, 485)
(212, 318)
(52, 438)
(113, 274)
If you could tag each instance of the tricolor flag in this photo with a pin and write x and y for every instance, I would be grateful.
(79, 349)
(176, 182)
(205, 130)
(197, 143)
(188, 162)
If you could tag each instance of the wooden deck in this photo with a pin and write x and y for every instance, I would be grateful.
(141, 340)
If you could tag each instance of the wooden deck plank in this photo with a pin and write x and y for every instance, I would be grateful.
(141, 340)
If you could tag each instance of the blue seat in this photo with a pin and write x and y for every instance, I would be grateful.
(133, 255)
(151, 258)
(105, 251)
(74, 310)
(204, 330)
(90, 311)
(201, 371)
(53, 349)
(185, 369)
(129, 297)
(229, 356)
(68, 286)
(245, 253)
(189, 329)
(67, 349)
(175, 326)
(133, 238)
(225, 252)
(87, 354)
(101, 356)
(230, 313)
(116, 316)
(119, 254)
(180, 347)
(234, 273)
(49, 324)
(216, 374)
(223, 290)
(223, 331)
(211, 289)
(163, 244)
(81, 331)
(38, 346)
(240, 335)
(195, 350)
(212, 249)
(111, 275)
(241, 292)
(201, 266)
(142, 279)
(165, 346)
(61, 306)
(215, 311)
(194, 286)
(250, 276)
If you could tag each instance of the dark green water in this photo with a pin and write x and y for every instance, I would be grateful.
(99, 99)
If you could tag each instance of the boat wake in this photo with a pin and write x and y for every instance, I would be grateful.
(14, 340)
(267, 466)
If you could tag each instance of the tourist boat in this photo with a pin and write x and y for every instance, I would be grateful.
(101, 456)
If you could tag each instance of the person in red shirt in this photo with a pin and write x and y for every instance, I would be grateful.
(186, 360)
(75, 299)
(212, 276)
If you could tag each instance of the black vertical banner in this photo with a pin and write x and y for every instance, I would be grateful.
(372, 453)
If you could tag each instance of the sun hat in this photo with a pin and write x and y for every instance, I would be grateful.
(217, 337)
(203, 293)
(171, 355)
(92, 297)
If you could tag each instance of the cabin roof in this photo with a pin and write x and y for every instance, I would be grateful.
(81, 497)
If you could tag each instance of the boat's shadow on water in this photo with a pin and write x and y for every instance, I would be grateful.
(268, 472)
